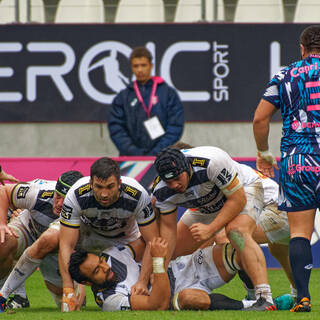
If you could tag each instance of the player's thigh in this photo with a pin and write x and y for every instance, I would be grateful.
(273, 226)
(301, 223)
(192, 299)
(299, 182)
(185, 243)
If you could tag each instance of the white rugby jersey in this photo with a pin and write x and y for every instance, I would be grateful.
(193, 271)
(212, 171)
(133, 206)
(127, 270)
(37, 197)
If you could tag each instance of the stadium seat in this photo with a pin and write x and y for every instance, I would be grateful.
(7, 11)
(190, 11)
(140, 11)
(307, 11)
(78, 11)
(259, 11)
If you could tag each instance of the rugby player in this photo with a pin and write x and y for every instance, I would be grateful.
(225, 194)
(27, 236)
(100, 211)
(295, 91)
(188, 284)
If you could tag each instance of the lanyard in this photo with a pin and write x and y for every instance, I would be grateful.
(153, 92)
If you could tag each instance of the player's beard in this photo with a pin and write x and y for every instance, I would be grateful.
(108, 283)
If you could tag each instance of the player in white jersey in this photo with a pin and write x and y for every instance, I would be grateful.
(26, 236)
(100, 211)
(191, 279)
(207, 179)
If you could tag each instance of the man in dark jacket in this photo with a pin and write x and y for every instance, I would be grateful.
(147, 116)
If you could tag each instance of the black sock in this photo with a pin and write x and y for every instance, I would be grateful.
(301, 264)
(245, 279)
(221, 302)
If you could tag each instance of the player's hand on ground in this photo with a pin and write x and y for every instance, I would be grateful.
(140, 288)
(158, 247)
(69, 300)
(266, 164)
(4, 229)
(200, 232)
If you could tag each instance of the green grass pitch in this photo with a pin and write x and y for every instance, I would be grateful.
(42, 306)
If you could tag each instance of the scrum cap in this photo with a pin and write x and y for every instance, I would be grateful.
(66, 180)
(170, 163)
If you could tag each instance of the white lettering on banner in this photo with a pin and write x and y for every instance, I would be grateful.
(56, 72)
(275, 64)
(220, 71)
(106, 55)
(165, 67)
(7, 72)
(113, 77)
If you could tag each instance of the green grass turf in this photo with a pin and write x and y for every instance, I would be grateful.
(42, 306)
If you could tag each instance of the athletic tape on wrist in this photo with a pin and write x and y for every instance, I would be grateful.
(158, 265)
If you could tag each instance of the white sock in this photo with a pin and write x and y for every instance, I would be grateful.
(21, 291)
(22, 270)
(264, 291)
(248, 303)
(293, 292)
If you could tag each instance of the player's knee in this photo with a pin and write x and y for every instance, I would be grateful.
(236, 237)
(184, 300)
(8, 248)
(47, 243)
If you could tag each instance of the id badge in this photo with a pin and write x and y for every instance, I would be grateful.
(154, 127)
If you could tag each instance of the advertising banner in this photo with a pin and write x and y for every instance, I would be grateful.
(71, 73)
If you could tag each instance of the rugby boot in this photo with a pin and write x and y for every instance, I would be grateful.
(303, 306)
(262, 305)
(17, 302)
(2, 304)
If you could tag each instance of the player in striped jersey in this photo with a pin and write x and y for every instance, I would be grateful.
(295, 90)
(100, 211)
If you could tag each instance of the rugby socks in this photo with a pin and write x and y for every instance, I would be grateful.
(221, 302)
(22, 270)
(301, 265)
(264, 290)
(21, 291)
(248, 285)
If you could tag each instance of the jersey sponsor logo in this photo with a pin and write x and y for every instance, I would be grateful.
(148, 211)
(86, 188)
(131, 190)
(22, 192)
(199, 162)
(66, 212)
(46, 194)
(299, 168)
(224, 176)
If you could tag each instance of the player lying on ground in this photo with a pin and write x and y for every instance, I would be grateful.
(187, 285)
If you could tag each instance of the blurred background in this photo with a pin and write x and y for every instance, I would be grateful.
(63, 61)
